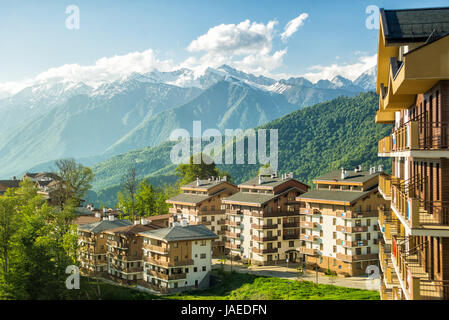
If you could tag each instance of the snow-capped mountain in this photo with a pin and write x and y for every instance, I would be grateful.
(367, 80)
(53, 120)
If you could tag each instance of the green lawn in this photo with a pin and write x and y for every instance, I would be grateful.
(239, 286)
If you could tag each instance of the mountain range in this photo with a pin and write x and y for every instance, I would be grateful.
(312, 141)
(55, 120)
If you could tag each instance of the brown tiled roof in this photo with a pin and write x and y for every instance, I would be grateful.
(10, 183)
(133, 229)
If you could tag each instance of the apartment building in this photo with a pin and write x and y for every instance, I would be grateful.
(124, 252)
(201, 203)
(177, 258)
(339, 229)
(93, 245)
(263, 219)
(413, 88)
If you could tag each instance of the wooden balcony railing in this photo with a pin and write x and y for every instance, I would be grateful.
(167, 264)
(410, 265)
(417, 135)
(385, 185)
(307, 237)
(232, 223)
(274, 214)
(265, 238)
(264, 226)
(309, 225)
(264, 251)
(234, 235)
(356, 243)
(232, 246)
(168, 277)
(308, 251)
(158, 249)
(355, 229)
(311, 212)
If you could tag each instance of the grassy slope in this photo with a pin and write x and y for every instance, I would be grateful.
(239, 286)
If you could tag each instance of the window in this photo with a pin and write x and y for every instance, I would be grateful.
(335, 249)
(368, 236)
(270, 257)
(334, 235)
(204, 268)
(175, 245)
(203, 256)
(195, 269)
(291, 244)
(203, 243)
(368, 222)
(334, 221)
(279, 244)
(368, 250)
(321, 246)
(175, 258)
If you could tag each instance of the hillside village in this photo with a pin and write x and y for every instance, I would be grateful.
(349, 220)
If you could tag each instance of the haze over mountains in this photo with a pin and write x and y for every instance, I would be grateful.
(56, 120)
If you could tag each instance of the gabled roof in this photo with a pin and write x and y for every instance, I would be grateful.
(10, 183)
(132, 229)
(355, 177)
(204, 184)
(414, 25)
(104, 225)
(257, 199)
(179, 233)
(337, 196)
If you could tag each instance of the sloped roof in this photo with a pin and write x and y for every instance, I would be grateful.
(189, 198)
(414, 25)
(336, 195)
(179, 233)
(132, 229)
(255, 198)
(104, 225)
(357, 177)
(10, 183)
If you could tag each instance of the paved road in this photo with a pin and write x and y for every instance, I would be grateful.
(292, 273)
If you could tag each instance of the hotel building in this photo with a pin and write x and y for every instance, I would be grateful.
(263, 220)
(201, 203)
(177, 258)
(413, 88)
(339, 230)
(93, 245)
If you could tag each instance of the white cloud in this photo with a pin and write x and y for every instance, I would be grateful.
(349, 71)
(244, 38)
(293, 25)
(104, 69)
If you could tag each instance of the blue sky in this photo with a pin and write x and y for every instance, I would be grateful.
(332, 38)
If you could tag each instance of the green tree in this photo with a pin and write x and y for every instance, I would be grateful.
(75, 182)
(146, 198)
(189, 172)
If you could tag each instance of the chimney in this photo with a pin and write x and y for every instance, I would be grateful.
(380, 168)
(260, 179)
(111, 217)
(197, 181)
(15, 178)
(344, 173)
(97, 215)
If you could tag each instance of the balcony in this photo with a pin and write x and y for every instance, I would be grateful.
(309, 212)
(274, 214)
(357, 214)
(154, 248)
(233, 235)
(290, 225)
(290, 236)
(357, 257)
(263, 239)
(415, 281)
(264, 251)
(167, 264)
(389, 224)
(205, 223)
(416, 135)
(232, 223)
(385, 186)
(264, 226)
(311, 238)
(309, 225)
(232, 246)
(352, 244)
(419, 213)
(355, 229)
(167, 277)
(308, 251)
